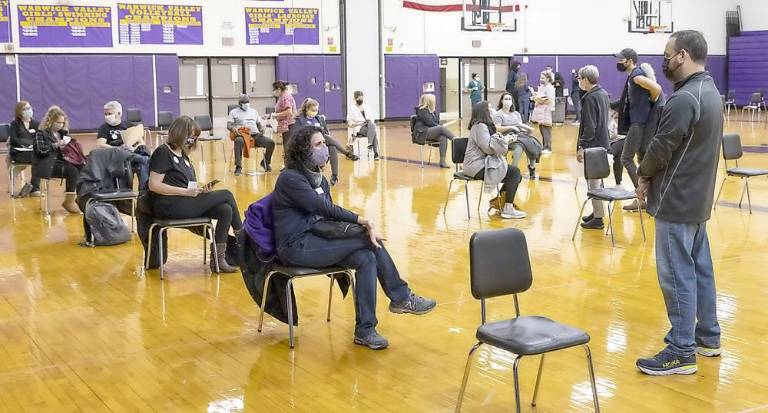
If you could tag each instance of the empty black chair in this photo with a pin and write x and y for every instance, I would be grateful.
(732, 151)
(294, 273)
(458, 149)
(164, 121)
(5, 133)
(730, 102)
(206, 125)
(134, 116)
(596, 167)
(499, 266)
(755, 100)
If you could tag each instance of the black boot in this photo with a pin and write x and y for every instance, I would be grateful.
(594, 223)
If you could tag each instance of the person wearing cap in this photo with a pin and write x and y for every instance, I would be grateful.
(634, 108)
(244, 116)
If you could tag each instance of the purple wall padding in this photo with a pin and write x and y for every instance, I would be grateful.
(81, 84)
(748, 64)
(318, 77)
(404, 78)
(7, 90)
(167, 72)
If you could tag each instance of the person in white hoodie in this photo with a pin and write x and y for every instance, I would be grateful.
(360, 119)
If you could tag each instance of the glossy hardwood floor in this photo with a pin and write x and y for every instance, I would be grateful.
(89, 330)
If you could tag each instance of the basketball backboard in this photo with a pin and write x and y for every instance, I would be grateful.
(489, 15)
(650, 16)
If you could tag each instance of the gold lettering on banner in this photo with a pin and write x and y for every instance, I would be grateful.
(64, 16)
(275, 18)
(158, 14)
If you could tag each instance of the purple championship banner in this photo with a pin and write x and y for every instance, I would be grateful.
(275, 25)
(5, 22)
(65, 26)
(159, 24)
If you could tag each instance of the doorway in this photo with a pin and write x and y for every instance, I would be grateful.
(450, 88)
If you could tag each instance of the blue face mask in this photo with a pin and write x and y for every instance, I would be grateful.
(319, 156)
(27, 114)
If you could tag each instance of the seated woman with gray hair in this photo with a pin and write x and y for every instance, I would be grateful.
(109, 135)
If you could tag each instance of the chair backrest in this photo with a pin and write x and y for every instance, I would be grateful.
(755, 98)
(164, 119)
(458, 149)
(732, 146)
(231, 107)
(269, 110)
(731, 94)
(5, 132)
(413, 123)
(499, 263)
(133, 115)
(204, 121)
(596, 163)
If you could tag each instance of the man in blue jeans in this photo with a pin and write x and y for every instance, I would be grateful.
(677, 174)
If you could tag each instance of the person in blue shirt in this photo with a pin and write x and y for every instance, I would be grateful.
(476, 89)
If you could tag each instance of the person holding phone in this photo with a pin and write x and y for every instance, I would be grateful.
(301, 197)
(49, 161)
(176, 194)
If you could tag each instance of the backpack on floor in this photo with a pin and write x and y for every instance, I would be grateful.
(106, 225)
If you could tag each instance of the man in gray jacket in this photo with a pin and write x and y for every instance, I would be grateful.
(593, 132)
(677, 174)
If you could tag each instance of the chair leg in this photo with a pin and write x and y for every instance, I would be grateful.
(447, 196)
(480, 199)
(215, 251)
(578, 221)
(160, 250)
(743, 189)
(592, 378)
(749, 199)
(264, 299)
(466, 376)
(421, 155)
(466, 194)
(538, 381)
(224, 151)
(289, 304)
(640, 212)
(148, 252)
(720, 191)
(133, 214)
(610, 223)
(576, 185)
(517, 382)
(330, 297)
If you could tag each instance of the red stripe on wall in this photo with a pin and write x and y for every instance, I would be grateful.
(454, 7)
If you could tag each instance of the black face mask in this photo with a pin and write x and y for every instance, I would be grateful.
(359, 101)
(621, 67)
(669, 72)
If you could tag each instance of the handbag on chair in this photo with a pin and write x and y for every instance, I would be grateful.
(332, 229)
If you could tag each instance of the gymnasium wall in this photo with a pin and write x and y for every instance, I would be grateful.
(555, 26)
(221, 18)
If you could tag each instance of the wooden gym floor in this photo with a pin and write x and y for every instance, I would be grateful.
(89, 330)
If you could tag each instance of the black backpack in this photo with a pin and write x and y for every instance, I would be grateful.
(105, 224)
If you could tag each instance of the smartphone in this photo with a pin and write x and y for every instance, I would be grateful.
(211, 184)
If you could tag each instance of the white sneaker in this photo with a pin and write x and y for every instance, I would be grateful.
(546, 152)
(509, 212)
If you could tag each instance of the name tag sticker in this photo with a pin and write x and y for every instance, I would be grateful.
(319, 191)
(192, 185)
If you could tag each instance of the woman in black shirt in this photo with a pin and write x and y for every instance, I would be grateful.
(428, 129)
(21, 138)
(177, 195)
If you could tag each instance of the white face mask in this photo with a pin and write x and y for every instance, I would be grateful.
(112, 120)
(245, 106)
(506, 103)
(27, 114)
